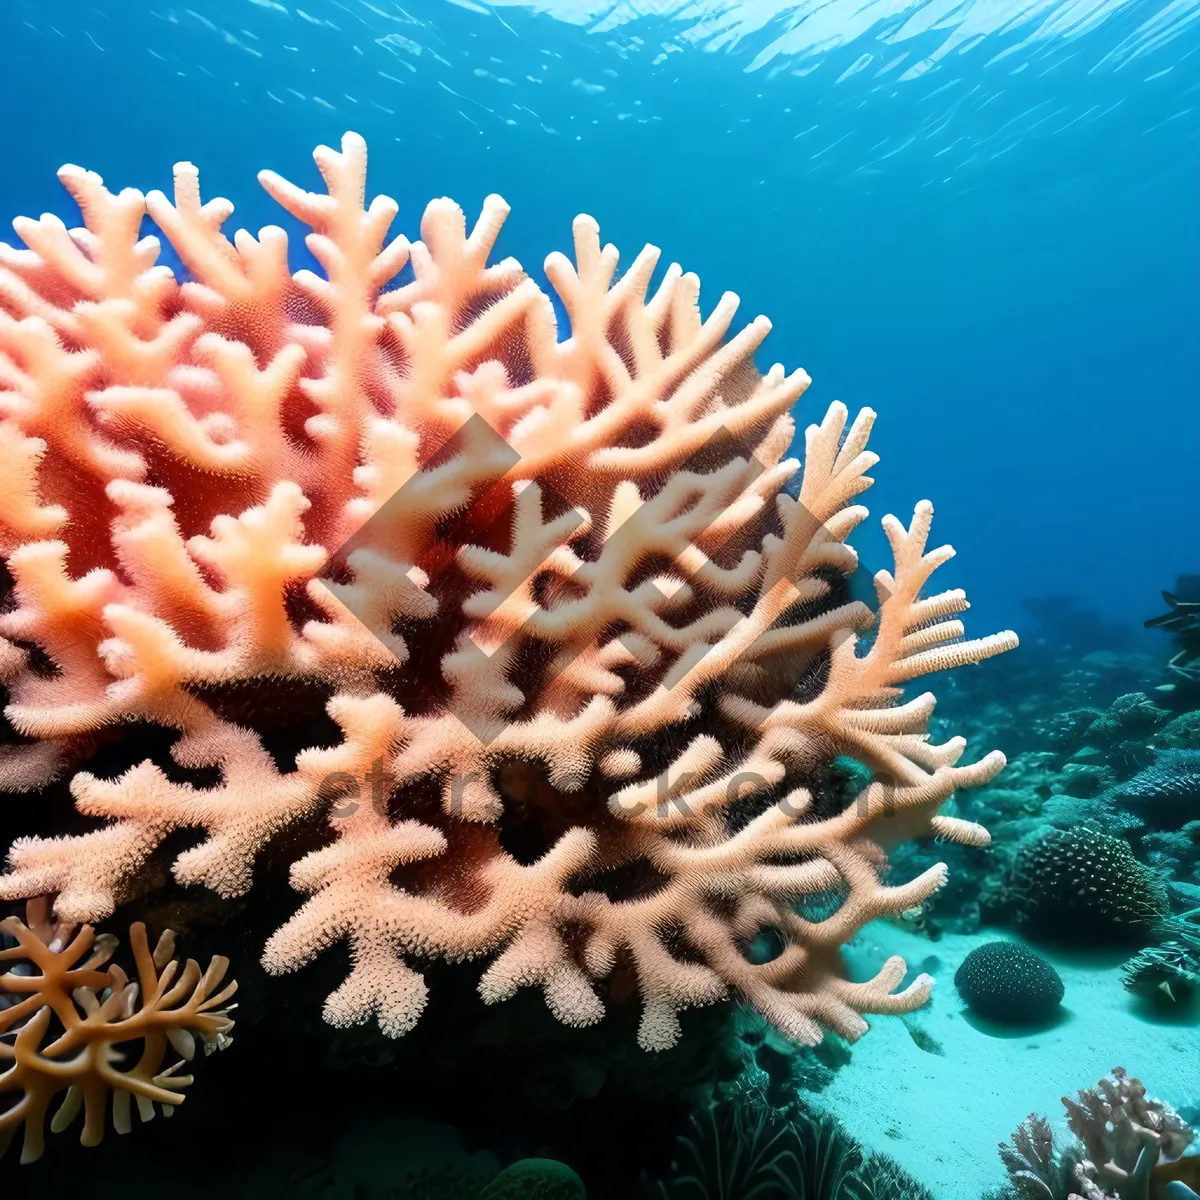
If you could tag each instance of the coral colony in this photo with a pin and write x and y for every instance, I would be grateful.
(570, 588)
(162, 1007)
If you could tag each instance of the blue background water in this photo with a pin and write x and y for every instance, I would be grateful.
(979, 218)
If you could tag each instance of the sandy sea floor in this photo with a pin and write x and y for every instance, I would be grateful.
(940, 1110)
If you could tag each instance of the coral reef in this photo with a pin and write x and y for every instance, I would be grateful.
(1009, 982)
(1182, 733)
(1167, 792)
(566, 653)
(1072, 772)
(1081, 884)
(1127, 1147)
(1126, 770)
(1095, 749)
(70, 1016)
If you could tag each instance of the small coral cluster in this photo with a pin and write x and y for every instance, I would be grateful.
(1169, 972)
(1165, 794)
(1128, 1147)
(1094, 762)
(73, 1022)
(1131, 1142)
(568, 653)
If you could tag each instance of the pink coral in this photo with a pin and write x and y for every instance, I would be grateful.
(583, 650)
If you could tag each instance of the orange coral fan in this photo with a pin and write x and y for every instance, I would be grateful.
(92, 1011)
(583, 653)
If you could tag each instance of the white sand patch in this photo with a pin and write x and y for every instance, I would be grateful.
(942, 1116)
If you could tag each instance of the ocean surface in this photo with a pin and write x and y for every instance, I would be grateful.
(980, 218)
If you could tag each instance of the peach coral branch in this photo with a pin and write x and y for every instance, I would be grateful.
(67, 1017)
(584, 642)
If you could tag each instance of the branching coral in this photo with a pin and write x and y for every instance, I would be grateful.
(1035, 1171)
(582, 648)
(1133, 1143)
(68, 1015)
(1129, 1147)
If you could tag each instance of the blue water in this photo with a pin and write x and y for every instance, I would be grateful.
(980, 218)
